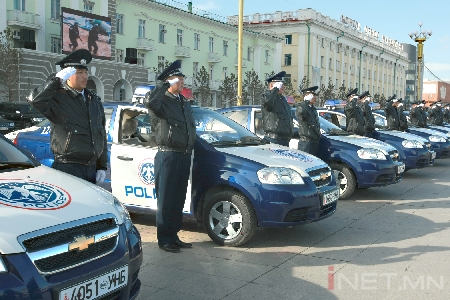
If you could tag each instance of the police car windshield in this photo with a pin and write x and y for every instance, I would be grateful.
(12, 159)
(218, 130)
(330, 128)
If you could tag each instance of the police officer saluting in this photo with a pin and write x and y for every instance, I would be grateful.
(402, 120)
(77, 119)
(308, 122)
(436, 115)
(391, 113)
(417, 115)
(446, 115)
(369, 120)
(276, 112)
(172, 116)
(354, 114)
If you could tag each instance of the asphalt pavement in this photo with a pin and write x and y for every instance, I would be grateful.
(390, 242)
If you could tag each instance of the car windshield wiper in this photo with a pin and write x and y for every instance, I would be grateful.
(335, 131)
(4, 165)
(252, 140)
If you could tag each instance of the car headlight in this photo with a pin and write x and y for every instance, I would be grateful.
(2, 266)
(37, 119)
(369, 153)
(437, 139)
(11, 124)
(123, 212)
(273, 175)
(412, 144)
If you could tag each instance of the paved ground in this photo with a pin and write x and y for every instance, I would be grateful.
(391, 242)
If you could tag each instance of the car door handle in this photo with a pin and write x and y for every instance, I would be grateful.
(125, 158)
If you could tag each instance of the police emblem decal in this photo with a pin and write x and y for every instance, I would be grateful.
(146, 171)
(33, 195)
(293, 155)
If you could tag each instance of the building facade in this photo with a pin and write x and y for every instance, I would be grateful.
(436, 90)
(328, 51)
(145, 35)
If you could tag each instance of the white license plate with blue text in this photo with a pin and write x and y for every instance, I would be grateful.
(331, 197)
(97, 287)
(3, 128)
(401, 169)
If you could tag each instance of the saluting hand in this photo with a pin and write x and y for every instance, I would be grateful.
(66, 73)
(278, 85)
(173, 81)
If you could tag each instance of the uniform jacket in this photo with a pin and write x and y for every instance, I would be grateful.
(77, 127)
(436, 116)
(418, 117)
(446, 115)
(392, 118)
(172, 119)
(308, 121)
(369, 120)
(403, 121)
(355, 118)
(277, 117)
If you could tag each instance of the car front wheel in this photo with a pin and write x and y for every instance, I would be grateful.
(345, 180)
(229, 218)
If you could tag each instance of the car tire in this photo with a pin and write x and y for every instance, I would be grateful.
(233, 226)
(345, 178)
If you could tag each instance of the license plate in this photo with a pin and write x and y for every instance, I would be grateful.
(401, 169)
(331, 196)
(433, 155)
(97, 287)
(3, 128)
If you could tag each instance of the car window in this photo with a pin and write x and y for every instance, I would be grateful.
(135, 129)
(239, 116)
(259, 126)
(379, 120)
(10, 156)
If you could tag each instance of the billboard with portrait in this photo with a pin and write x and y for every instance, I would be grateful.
(82, 30)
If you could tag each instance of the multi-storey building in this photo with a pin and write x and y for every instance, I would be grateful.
(328, 51)
(148, 32)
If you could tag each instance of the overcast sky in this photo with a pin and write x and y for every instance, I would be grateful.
(393, 18)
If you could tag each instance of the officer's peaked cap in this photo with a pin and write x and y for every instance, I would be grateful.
(439, 101)
(352, 92)
(400, 100)
(391, 98)
(277, 77)
(78, 59)
(312, 89)
(365, 94)
(172, 70)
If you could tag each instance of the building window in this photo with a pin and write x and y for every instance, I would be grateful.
(343, 82)
(331, 45)
(350, 84)
(329, 80)
(162, 34)
(368, 74)
(288, 39)
(89, 7)
(266, 53)
(287, 59)
(196, 41)
(19, 5)
(330, 64)
(211, 71)
(119, 55)
(195, 69)
(211, 44)
(337, 83)
(122, 93)
(56, 45)
(179, 37)
(141, 59)
(225, 48)
(224, 72)
(338, 48)
(141, 33)
(337, 66)
(322, 62)
(55, 10)
(364, 72)
(119, 23)
(362, 87)
(249, 53)
(322, 43)
(161, 63)
(321, 80)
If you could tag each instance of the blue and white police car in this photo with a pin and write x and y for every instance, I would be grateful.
(237, 183)
(62, 237)
(358, 162)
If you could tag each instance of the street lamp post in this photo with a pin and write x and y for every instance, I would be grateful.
(419, 37)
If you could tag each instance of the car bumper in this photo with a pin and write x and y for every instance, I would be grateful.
(417, 158)
(23, 281)
(378, 173)
(442, 149)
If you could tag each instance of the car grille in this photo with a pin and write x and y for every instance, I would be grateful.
(297, 215)
(394, 155)
(422, 163)
(327, 209)
(385, 178)
(320, 176)
(89, 239)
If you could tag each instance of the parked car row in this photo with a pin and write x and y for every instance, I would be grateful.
(18, 115)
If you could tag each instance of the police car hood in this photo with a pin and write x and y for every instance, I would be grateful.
(440, 128)
(273, 155)
(363, 142)
(41, 197)
(429, 131)
(404, 135)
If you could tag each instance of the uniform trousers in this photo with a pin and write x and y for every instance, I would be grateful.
(281, 142)
(171, 179)
(308, 146)
(86, 172)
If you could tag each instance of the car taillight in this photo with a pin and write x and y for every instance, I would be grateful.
(15, 140)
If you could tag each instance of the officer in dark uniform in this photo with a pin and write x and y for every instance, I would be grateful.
(369, 120)
(74, 34)
(77, 119)
(417, 115)
(308, 122)
(92, 39)
(354, 114)
(276, 112)
(172, 116)
(436, 115)
(392, 113)
(447, 113)
(402, 120)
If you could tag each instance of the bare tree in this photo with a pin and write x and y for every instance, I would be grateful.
(326, 93)
(342, 91)
(376, 98)
(228, 90)
(252, 88)
(288, 88)
(382, 102)
(202, 91)
(10, 60)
